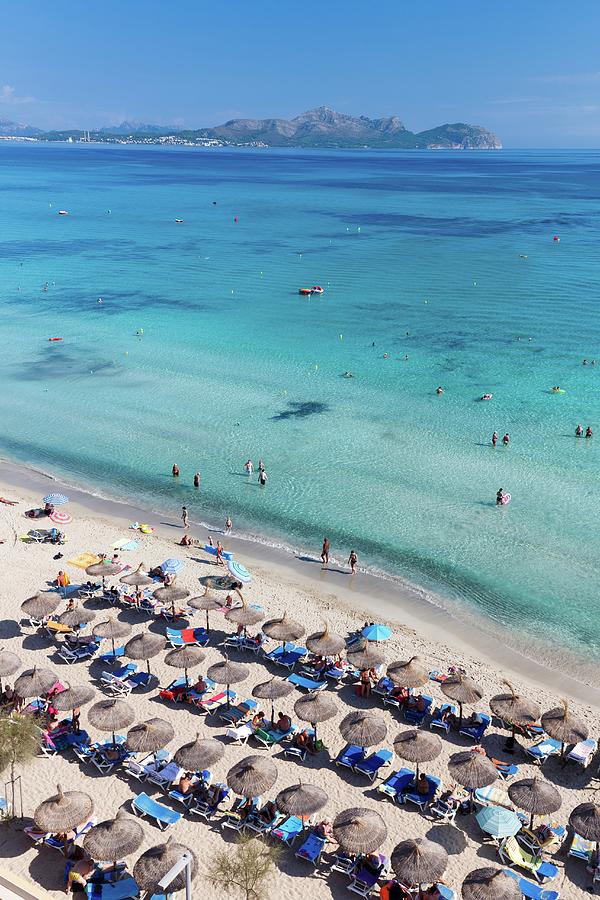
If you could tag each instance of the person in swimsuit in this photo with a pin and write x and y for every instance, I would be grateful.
(494, 439)
(325, 551)
(578, 431)
(197, 480)
(352, 560)
(440, 391)
(499, 496)
(228, 525)
(588, 432)
(249, 467)
(175, 470)
(185, 517)
(262, 477)
(506, 440)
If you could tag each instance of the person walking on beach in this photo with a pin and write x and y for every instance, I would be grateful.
(506, 440)
(175, 470)
(197, 480)
(228, 525)
(352, 560)
(494, 439)
(184, 517)
(219, 549)
(325, 552)
(262, 477)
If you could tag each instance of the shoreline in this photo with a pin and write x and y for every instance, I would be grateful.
(366, 594)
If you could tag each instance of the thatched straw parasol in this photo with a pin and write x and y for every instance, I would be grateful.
(76, 695)
(490, 884)
(472, 769)
(9, 664)
(150, 736)
(563, 726)
(273, 689)
(244, 615)
(208, 604)
(315, 707)
(115, 838)
(301, 800)
(283, 629)
(514, 709)
(535, 796)
(326, 642)
(410, 673)
(363, 728)
(112, 628)
(170, 595)
(228, 672)
(34, 683)
(111, 715)
(185, 658)
(252, 776)
(199, 754)
(417, 746)
(138, 578)
(155, 863)
(418, 861)
(145, 646)
(40, 605)
(462, 690)
(63, 811)
(79, 615)
(359, 830)
(104, 569)
(585, 820)
(366, 656)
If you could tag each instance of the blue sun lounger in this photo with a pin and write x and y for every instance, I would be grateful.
(311, 849)
(543, 750)
(274, 654)
(413, 716)
(395, 783)
(289, 659)
(371, 765)
(438, 722)
(288, 831)
(123, 889)
(530, 890)
(112, 657)
(187, 637)
(581, 848)
(422, 801)
(143, 805)
(476, 732)
(350, 756)
(307, 684)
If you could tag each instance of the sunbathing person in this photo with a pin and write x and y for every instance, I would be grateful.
(258, 720)
(283, 723)
(417, 704)
(267, 812)
(304, 740)
(79, 875)
(373, 863)
(449, 717)
(324, 829)
(200, 687)
(401, 695)
(187, 785)
(422, 786)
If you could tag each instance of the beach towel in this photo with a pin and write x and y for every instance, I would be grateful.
(126, 545)
(84, 560)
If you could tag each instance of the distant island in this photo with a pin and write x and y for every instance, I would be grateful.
(320, 128)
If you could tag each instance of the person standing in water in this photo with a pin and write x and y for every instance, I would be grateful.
(506, 440)
(197, 480)
(262, 477)
(499, 496)
(325, 552)
(184, 517)
(352, 560)
(261, 466)
(588, 431)
(175, 470)
(578, 431)
(228, 525)
(249, 467)
(494, 439)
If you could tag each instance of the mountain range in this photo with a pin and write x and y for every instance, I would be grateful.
(319, 128)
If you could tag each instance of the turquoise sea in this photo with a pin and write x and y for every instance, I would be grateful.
(421, 255)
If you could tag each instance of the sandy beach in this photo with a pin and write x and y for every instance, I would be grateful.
(313, 597)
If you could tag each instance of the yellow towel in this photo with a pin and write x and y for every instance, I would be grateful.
(84, 560)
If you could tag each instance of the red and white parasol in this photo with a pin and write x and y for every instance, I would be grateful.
(61, 518)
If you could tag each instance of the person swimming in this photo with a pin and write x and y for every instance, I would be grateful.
(440, 391)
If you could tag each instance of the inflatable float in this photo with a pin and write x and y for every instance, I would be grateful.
(486, 396)
(506, 498)
(226, 554)
(55, 339)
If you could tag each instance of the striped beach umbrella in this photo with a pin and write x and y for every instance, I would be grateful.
(239, 571)
(172, 566)
(61, 518)
(55, 499)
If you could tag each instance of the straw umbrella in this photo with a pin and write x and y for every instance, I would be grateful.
(585, 820)
(150, 736)
(315, 707)
(417, 746)
(112, 628)
(34, 683)
(138, 578)
(359, 830)
(185, 658)
(76, 695)
(105, 570)
(363, 728)
(9, 664)
(514, 709)
(171, 594)
(111, 715)
(273, 689)
(535, 796)
(490, 884)
(366, 656)
(40, 605)
(199, 753)
(64, 811)
(326, 642)
(418, 861)
(208, 604)
(563, 726)
(79, 615)
(252, 776)
(410, 673)
(283, 629)
(114, 838)
(301, 800)
(155, 863)
(472, 770)
(244, 615)
(145, 646)
(462, 690)
(228, 672)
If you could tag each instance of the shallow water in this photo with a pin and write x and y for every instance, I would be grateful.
(420, 255)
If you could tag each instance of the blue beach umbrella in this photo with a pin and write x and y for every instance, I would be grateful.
(172, 566)
(498, 822)
(239, 571)
(377, 632)
(55, 499)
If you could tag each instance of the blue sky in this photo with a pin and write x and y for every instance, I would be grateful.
(528, 70)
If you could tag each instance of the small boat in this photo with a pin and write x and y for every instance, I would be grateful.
(306, 292)
(179, 220)
(55, 339)
(63, 212)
